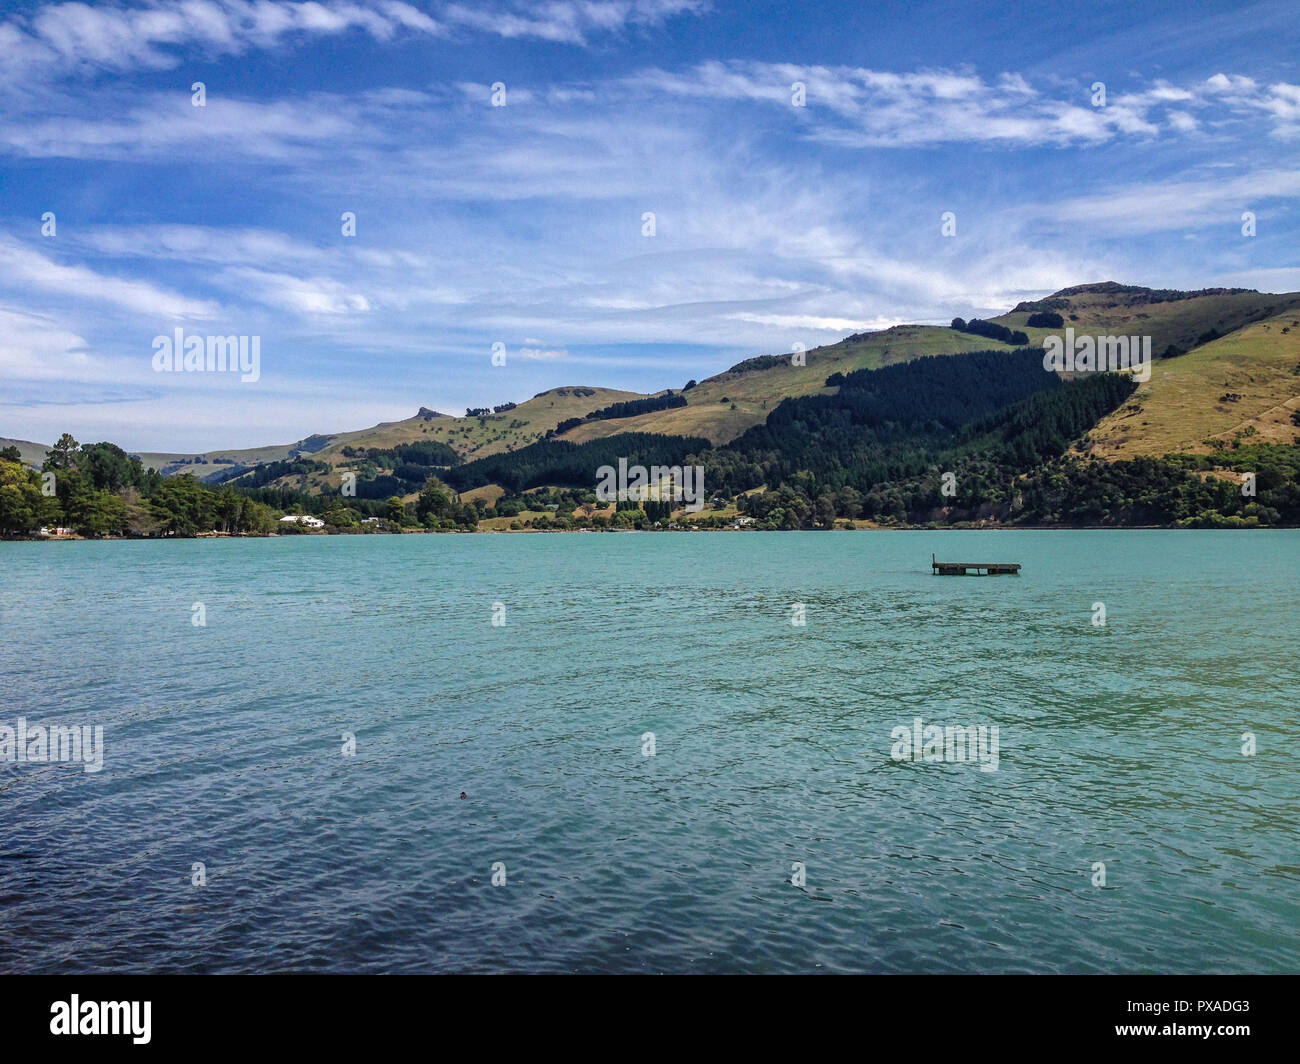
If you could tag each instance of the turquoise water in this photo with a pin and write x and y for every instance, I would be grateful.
(1119, 745)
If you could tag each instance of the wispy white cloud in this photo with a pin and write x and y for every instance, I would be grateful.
(569, 21)
(860, 107)
(198, 243)
(159, 125)
(838, 326)
(514, 154)
(1161, 206)
(301, 295)
(21, 265)
(74, 38)
(36, 347)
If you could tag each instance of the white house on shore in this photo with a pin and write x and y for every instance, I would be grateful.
(302, 519)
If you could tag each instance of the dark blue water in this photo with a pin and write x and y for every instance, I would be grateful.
(1120, 745)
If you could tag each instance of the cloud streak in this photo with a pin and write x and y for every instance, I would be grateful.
(76, 39)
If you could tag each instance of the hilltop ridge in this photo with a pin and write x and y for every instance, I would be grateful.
(1226, 364)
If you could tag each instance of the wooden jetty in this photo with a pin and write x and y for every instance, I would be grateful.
(973, 568)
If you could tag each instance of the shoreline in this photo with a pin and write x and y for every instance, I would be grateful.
(639, 531)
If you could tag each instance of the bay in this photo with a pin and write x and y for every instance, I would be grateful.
(1118, 745)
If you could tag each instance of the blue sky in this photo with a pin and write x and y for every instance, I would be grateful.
(522, 224)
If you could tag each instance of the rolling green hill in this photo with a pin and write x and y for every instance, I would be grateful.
(1181, 320)
(208, 465)
(1232, 372)
(722, 407)
(718, 409)
(33, 454)
(1244, 385)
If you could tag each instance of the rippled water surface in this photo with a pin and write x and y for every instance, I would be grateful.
(1120, 745)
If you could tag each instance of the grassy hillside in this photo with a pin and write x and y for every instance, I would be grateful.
(753, 387)
(477, 437)
(470, 437)
(1113, 309)
(33, 454)
(722, 407)
(1247, 384)
(1233, 373)
(205, 466)
(719, 408)
(213, 464)
(756, 386)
